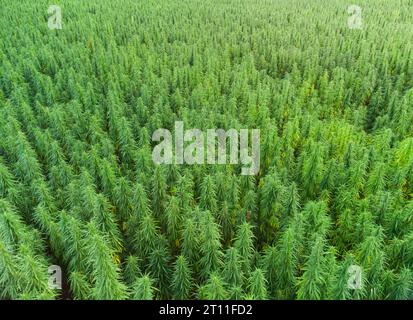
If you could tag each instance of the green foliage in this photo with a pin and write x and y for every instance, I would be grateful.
(79, 188)
(9, 280)
(257, 285)
(79, 286)
(313, 281)
(106, 273)
(213, 289)
(181, 280)
(401, 287)
(132, 269)
(232, 273)
(146, 237)
(210, 246)
(190, 241)
(244, 243)
(340, 289)
(143, 288)
(208, 195)
(173, 222)
(159, 268)
(281, 265)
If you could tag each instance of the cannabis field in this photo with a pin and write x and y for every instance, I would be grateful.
(329, 214)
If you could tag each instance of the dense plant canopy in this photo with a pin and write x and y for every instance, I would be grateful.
(79, 189)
